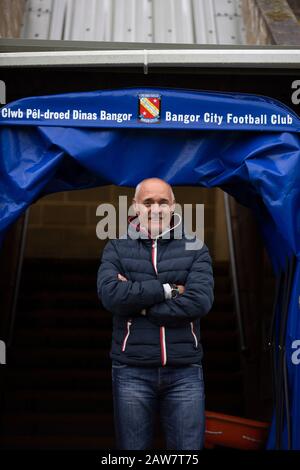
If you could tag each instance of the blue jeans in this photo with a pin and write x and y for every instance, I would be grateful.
(177, 392)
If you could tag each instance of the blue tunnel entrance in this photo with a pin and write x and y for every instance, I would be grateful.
(247, 145)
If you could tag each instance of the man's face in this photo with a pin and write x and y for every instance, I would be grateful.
(154, 205)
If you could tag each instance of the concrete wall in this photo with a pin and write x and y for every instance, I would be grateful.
(257, 31)
(63, 225)
(271, 22)
(11, 14)
(295, 6)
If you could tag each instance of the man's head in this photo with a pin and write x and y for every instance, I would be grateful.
(154, 203)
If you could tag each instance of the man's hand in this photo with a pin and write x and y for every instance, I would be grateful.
(181, 289)
(143, 312)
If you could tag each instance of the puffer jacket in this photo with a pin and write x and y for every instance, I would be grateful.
(147, 329)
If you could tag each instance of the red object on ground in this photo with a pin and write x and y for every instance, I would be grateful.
(235, 432)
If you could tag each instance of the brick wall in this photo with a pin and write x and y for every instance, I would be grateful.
(63, 225)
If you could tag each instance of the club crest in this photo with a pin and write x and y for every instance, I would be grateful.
(149, 108)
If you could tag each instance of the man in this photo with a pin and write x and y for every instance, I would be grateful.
(157, 291)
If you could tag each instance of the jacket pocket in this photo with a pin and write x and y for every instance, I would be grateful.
(196, 343)
(127, 333)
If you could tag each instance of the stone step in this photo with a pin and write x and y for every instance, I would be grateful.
(67, 442)
(58, 379)
(231, 402)
(67, 337)
(86, 281)
(87, 338)
(77, 424)
(58, 386)
(43, 267)
(37, 300)
(96, 358)
(219, 340)
(85, 302)
(219, 320)
(56, 442)
(65, 318)
(56, 401)
(99, 318)
(59, 358)
(94, 379)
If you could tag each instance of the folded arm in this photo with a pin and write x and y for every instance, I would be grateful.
(124, 298)
(195, 302)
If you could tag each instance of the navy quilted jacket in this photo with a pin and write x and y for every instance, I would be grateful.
(147, 329)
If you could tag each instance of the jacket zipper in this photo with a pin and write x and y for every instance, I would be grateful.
(193, 333)
(129, 322)
(162, 332)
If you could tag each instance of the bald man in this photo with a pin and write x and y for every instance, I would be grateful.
(157, 291)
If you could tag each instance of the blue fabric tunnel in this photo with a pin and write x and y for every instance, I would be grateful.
(245, 144)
